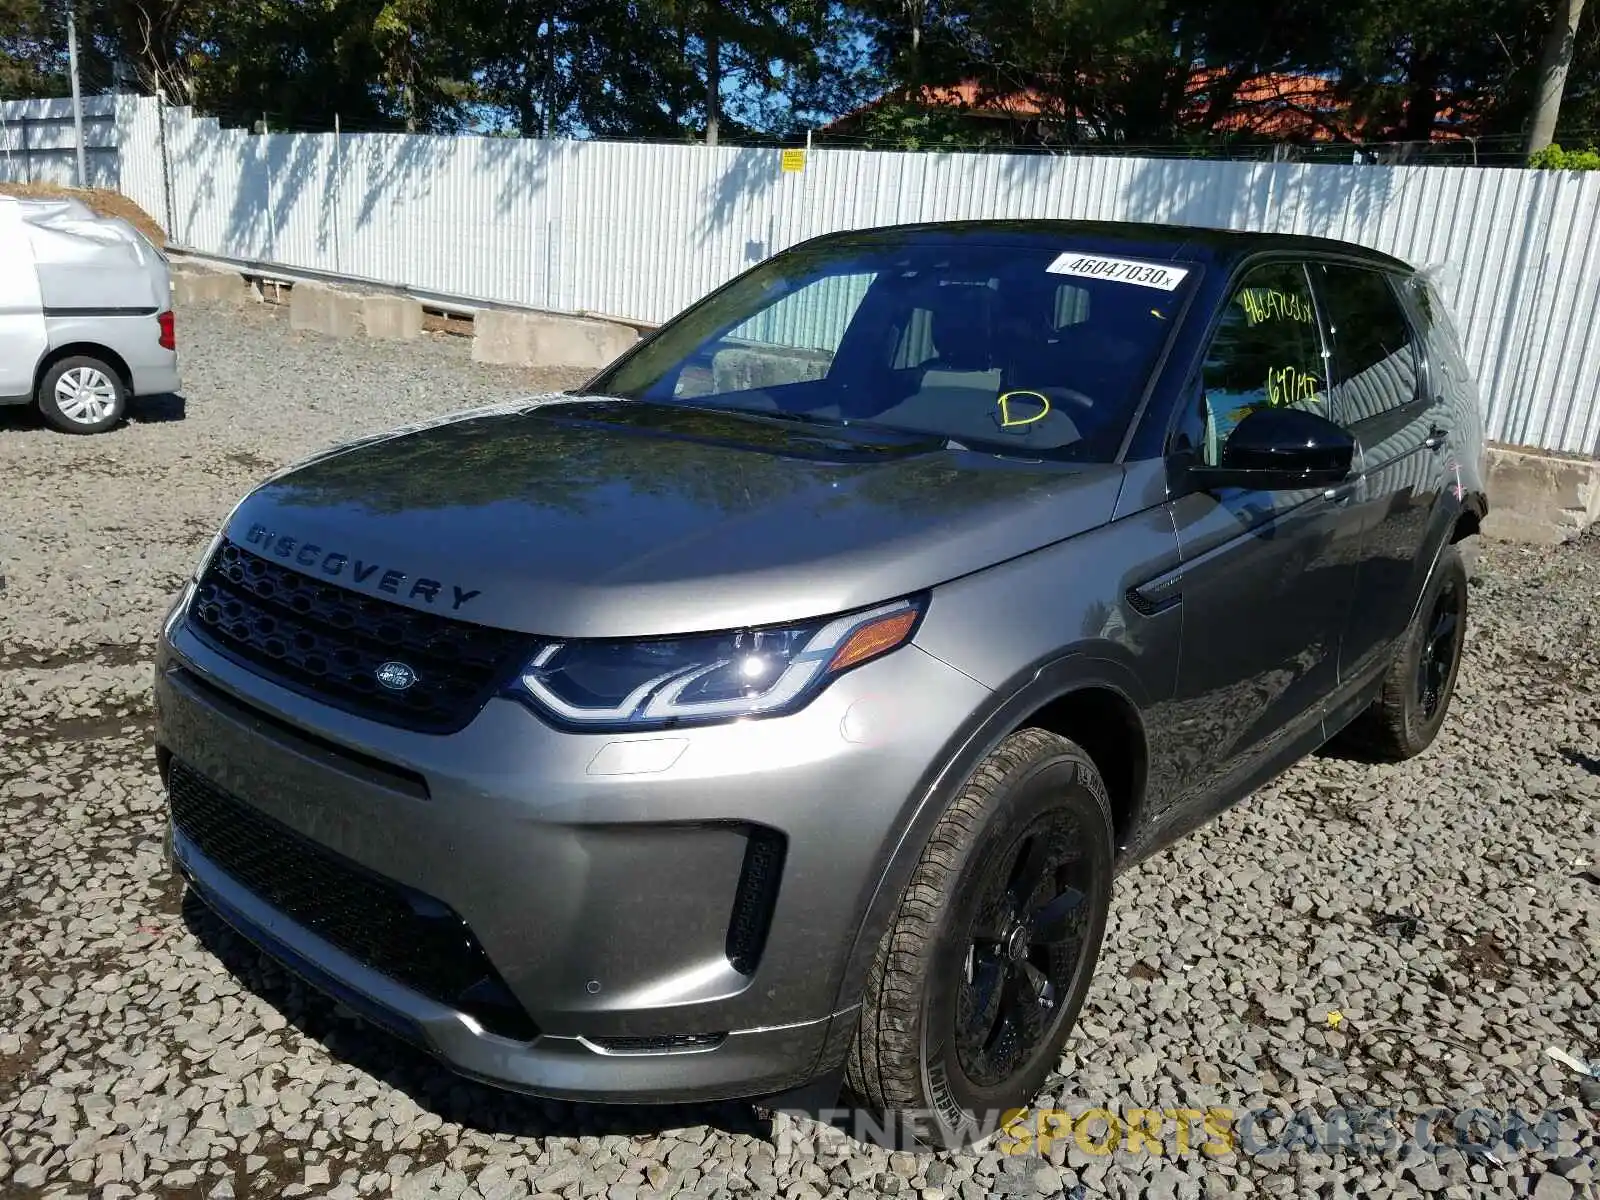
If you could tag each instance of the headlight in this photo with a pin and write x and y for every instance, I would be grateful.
(216, 539)
(211, 548)
(712, 677)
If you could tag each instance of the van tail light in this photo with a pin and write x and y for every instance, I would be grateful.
(169, 339)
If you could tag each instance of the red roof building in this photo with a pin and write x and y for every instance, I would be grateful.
(1277, 107)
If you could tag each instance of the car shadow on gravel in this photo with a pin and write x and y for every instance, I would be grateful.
(1578, 758)
(142, 410)
(17, 417)
(431, 1086)
(155, 410)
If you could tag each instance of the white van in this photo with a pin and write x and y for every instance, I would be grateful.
(85, 314)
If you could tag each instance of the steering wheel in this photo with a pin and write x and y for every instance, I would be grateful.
(1069, 395)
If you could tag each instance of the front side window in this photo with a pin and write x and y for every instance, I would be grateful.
(1374, 355)
(1266, 353)
(1027, 345)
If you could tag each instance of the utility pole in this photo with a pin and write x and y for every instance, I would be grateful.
(77, 101)
(166, 159)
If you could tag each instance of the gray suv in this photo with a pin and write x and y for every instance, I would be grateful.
(775, 712)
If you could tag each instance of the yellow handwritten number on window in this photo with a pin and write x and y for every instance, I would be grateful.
(1009, 421)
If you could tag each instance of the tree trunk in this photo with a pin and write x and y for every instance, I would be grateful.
(713, 80)
(527, 105)
(550, 104)
(1553, 64)
(916, 11)
(1422, 101)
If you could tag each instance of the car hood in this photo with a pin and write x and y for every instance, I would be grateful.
(587, 517)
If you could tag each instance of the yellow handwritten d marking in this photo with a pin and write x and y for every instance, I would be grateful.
(1009, 422)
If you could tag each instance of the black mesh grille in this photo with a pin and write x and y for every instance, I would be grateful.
(328, 642)
(668, 1043)
(755, 899)
(408, 936)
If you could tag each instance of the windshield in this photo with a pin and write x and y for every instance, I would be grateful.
(1035, 347)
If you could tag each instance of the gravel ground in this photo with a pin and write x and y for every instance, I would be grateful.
(1353, 938)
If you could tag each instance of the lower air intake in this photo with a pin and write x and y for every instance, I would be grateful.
(755, 899)
(412, 938)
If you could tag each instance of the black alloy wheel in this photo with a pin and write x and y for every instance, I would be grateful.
(1027, 944)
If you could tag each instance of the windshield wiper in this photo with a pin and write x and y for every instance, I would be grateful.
(801, 418)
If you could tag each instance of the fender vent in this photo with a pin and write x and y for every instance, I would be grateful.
(755, 899)
(1139, 604)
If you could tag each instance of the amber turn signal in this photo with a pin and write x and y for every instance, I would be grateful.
(872, 640)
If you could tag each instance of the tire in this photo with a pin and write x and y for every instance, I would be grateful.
(82, 395)
(1036, 801)
(1416, 692)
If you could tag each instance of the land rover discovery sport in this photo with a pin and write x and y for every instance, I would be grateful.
(778, 708)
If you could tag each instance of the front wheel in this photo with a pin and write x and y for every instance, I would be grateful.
(82, 395)
(979, 979)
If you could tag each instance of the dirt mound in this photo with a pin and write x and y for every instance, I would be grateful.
(106, 203)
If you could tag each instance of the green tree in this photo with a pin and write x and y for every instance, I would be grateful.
(32, 51)
(1093, 71)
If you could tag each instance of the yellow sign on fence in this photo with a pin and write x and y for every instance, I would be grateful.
(794, 160)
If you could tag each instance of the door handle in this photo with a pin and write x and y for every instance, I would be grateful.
(1342, 492)
(1437, 435)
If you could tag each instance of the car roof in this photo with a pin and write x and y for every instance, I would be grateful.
(1222, 247)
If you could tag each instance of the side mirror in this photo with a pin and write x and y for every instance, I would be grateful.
(1280, 449)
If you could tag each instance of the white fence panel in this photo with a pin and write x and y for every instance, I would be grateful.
(140, 175)
(39, 143)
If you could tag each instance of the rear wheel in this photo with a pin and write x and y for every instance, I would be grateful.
(82, 395)
(1416, 694)
(978, 981)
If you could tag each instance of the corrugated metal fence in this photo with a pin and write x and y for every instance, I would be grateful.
(639, 231)
(39, 145)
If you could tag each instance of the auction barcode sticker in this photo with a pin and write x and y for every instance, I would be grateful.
(1119, 270)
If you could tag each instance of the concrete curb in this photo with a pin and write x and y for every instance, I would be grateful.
(194, 282)
(526, 339)
(1539, 497)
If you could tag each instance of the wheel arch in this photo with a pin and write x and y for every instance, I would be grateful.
(1450, 525)
(1095, 701)
(83, 350)
(1469, 520)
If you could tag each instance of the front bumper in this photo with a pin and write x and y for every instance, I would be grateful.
(600, 873)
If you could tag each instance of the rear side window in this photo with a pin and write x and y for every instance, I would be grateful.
(1435, 315)
(1072, 306)
(1375, 364)
(1427, 302)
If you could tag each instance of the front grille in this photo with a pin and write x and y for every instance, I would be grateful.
(327, 642)
(410, 937)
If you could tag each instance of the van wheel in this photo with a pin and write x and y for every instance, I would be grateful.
(1416, 694)
(979, 978)
(82, 395)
